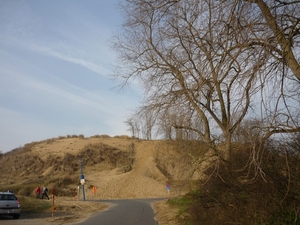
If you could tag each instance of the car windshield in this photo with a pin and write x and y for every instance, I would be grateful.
(7, 197)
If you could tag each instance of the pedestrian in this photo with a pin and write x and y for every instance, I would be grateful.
(38, 191)
(45, 192)
(168, 187)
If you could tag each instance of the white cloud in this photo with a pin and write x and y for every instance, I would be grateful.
(73, 59)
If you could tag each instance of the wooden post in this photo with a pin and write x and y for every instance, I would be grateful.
(53, 197)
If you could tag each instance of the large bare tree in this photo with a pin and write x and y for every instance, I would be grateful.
(282, 18)
(206, 64)
(274, 29)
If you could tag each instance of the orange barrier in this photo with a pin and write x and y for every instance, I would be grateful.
(94, 190)
(53, 197)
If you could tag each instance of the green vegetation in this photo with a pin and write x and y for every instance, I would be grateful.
(284, 217)
(33, 205)
(182, 203)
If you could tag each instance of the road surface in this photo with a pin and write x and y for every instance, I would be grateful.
(124, 212)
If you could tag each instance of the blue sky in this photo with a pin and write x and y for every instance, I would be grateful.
(55, 67)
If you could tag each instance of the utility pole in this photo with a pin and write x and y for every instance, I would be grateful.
(82, 180)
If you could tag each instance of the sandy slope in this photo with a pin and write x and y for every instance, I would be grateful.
(143, 181)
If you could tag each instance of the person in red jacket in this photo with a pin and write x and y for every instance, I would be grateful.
(38, 192)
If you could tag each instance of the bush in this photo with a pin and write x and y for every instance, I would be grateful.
(241, 196)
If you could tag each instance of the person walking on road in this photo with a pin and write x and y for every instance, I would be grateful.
(45, 192)
(38, 191)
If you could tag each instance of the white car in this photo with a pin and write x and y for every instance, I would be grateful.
(9, 205)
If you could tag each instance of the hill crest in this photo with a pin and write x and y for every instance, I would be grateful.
(120, 167)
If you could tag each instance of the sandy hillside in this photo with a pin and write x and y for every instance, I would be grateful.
(49, 159)
(57, 159)
(120, 167)
(143, 181)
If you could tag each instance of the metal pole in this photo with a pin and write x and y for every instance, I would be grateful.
(78, 193)
(83, 192)
(82, 177)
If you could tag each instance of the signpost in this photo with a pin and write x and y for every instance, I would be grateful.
(82, 180)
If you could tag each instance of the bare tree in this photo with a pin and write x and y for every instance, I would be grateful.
(274, 30)
(204, 64)
(132, 127)
(282, 18)
(141, 124)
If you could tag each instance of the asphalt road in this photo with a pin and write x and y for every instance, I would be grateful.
(124, 212)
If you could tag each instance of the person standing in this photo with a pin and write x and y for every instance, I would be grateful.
(38, 191)
(168, 187)
(45, 192)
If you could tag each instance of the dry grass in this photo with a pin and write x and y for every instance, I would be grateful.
(120, 167)
(66, 210)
